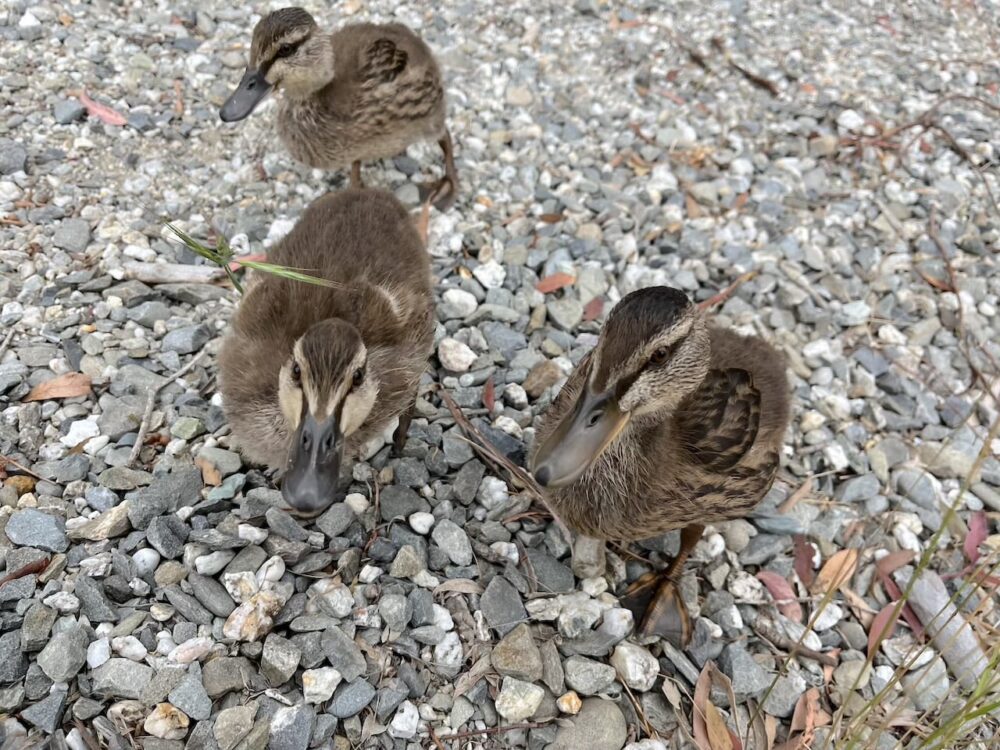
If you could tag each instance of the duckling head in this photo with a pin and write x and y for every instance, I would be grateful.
(326, 393)
(287, 52)
(653, 352)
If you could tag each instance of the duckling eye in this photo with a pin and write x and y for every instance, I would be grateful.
(660, 356)
(359, 375)
(284, 50)
(296, 373)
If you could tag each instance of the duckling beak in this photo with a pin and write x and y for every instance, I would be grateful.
(310, 486)
(253, 87)
(580, 439)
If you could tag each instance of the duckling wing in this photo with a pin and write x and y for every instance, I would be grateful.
(720, 421)
(382, 62)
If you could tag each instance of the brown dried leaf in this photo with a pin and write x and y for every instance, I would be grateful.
(210, 475)
(555, 282)
(699, 726)
(718, 732)
(476, 672)
(836, 572)
(691, 205)
(979, 529)
(489, 394)
(458, 585)
(882, 627)
(70, 385)
(102, 112)
(894, 561)
(550, 218)
(781, 591)
(803, 552)
(593, 309)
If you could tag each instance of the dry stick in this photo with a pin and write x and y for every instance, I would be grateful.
(436, 740)
(726, 293)
(147, 414)
(6, 342)
(492, 730)
(4, 460)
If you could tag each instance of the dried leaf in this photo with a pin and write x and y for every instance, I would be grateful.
(70, 385)
(210, 475)
(477, 671)
(550, 218)
(781, 591)
(894, 561)
(699, 727)
(803, 552)
(758, 737)
(836, 572)
(593, 309)
(489, 394)
(882, 627)
(459, 585)
(555, 282)
(252, 258)
(909, 615)
(718, 732)
(102, 112)
(691, 205)
(671, 692)
(979, 529)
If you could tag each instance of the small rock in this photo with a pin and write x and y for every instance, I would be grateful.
(501, 606)
(636, 667)
(291, 728)
(569, 703)
(65, 654)
(33, 528)
(279, 659)
(233, 724)
(516, 655)
(318, 684)
(518, 699)
(600, 725)
(121, 678)
(72, 235)
(405, 723)
(587, 676)
(351, 698)
(167, 722)
(455, 356)
(453, 541)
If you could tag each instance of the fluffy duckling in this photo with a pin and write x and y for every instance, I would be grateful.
(309, 374)
(362, 93)
(668, 423)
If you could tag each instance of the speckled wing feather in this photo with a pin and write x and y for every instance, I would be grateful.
(719, 422)
(382, 62)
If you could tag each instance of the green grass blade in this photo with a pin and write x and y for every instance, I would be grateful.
(288, 273)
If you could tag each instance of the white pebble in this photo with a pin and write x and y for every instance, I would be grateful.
(455, 356)
(370, 574)
(318, 684)
(357, 502)
(146, 561)
(405, 723)
(214, 562)
(130, 647)
(98, 652)
(251, 533)
(421, 522)
(272, 570)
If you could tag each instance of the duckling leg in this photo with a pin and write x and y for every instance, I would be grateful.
(356, 175)
(655, 600)
(443, 192)
(399, 436)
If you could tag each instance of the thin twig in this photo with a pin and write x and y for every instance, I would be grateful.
(147, 414)
(4, 460)
(436, 740)
(492, 730)
(6, 342)
(718, 299)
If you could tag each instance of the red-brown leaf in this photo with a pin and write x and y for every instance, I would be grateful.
(102, 112)
(781, 591)
(555, 282)
(252, 257)
(489, 394)
(979, 529)
(908, 614)
(894, 561)
(836, 571)
(550, 218)
(70, 385)
(803, 552)
(593, 309)
(882, 627)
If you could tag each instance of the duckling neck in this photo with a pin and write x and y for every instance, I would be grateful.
(320, 76)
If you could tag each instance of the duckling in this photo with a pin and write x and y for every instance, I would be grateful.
(668, 423)
(309, 374)
(363, 93)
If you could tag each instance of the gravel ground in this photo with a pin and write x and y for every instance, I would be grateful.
(429, 603)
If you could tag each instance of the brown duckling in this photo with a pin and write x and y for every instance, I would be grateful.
(668, 423)
(310, 374)
(362, 93)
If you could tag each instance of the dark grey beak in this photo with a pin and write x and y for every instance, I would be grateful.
(252, 89)
(579, 439)
(311, 484)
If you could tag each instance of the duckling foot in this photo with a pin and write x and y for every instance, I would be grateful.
(441, 193)
(399, 436)
(656, 604)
